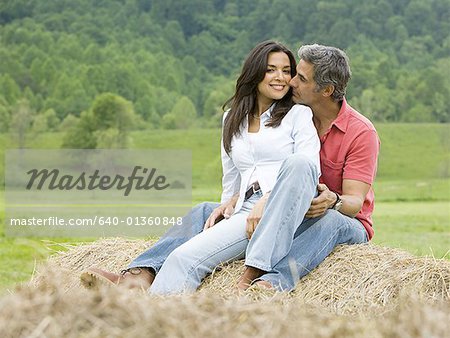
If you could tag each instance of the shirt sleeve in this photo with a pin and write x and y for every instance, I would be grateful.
(231, 178)
(306, 140)
(361, 160)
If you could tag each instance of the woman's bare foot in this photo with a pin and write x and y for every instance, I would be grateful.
(250, 274)
(263, 284)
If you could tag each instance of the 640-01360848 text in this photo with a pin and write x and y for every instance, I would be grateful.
(97, 221)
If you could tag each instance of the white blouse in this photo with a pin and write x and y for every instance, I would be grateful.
(262, 156)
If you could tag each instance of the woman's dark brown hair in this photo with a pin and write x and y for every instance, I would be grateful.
(244, 101)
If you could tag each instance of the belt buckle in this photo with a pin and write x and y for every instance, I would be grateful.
(251, 190)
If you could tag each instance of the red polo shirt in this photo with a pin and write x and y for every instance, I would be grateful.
(349, 151)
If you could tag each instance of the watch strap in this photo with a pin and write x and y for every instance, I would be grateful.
(338, 199)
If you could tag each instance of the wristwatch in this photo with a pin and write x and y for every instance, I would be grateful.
(338, 204)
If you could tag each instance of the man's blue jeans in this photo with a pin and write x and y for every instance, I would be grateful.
(285, 243)
(298, 244)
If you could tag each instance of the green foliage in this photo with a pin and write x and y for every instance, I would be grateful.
(182, 116)
(81, 134)
(112, 112)
(5, 116)
(61, 55)
(105, 125)
(21, 122)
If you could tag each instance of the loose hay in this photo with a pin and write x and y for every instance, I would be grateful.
(49, 311)
(358, 291)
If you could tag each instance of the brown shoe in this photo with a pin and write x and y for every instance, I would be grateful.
(132, 278)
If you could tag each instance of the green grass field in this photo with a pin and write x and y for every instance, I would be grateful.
(412, 189)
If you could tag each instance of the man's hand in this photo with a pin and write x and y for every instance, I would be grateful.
(255, 215)
(321, 203)
(224, 211)
(353, 195)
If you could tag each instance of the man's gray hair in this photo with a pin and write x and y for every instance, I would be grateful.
(331, 66)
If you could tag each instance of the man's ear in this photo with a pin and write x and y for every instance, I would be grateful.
(328, 90)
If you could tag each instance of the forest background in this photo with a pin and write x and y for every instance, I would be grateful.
(154, 74)
(176, 61)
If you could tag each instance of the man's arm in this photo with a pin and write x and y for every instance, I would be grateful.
(353, 195)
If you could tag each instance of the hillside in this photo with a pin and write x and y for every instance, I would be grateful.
(60, 54)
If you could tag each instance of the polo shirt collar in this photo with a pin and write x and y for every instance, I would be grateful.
(341, 121)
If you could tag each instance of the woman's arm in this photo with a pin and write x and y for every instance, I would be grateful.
(231, 178)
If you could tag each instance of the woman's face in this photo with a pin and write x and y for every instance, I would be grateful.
(275, 84)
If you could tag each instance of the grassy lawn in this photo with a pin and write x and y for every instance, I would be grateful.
(422, 228)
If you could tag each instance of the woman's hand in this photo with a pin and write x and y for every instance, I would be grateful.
(224, 211)
(255, 215)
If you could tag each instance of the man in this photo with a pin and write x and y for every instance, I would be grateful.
(294, 235)
(287, 245)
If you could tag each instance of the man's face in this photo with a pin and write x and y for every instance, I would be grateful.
(304, 88)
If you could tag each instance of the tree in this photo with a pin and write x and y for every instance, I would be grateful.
(68, 96)
(182, 116)
(105, 125)
(212, 109)
(9, 89)
(21, 122)
(81, 135)
(69, 122)
(112, 111)
(5, 117)
(174, 34)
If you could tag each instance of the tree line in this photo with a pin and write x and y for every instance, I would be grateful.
(174, 62)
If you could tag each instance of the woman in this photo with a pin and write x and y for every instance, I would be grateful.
(261, 128)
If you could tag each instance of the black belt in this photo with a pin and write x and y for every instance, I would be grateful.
(252, 189)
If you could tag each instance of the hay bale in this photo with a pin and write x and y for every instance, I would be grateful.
(392, 293)
(353, 279)
(368, 277)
